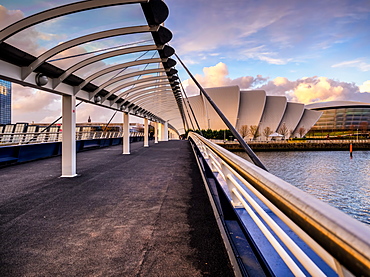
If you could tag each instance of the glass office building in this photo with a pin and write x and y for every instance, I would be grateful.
(342, 115)
(5, 102)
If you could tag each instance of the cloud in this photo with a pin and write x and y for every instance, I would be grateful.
(288, 30)
(29, 105)
(359, 64)
(8, 17)
(216, 76)
(315, 89)
(305, 90)
(25, 40)
(365, 87)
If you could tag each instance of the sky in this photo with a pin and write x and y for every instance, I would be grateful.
(309, 51)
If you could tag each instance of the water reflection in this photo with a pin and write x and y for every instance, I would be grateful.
(330, 176)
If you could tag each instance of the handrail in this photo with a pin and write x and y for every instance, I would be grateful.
(336, 237)
(39, 137)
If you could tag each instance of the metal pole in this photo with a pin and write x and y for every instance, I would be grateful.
(235, 133)
(191, 109)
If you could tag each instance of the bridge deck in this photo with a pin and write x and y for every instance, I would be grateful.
(144, 214)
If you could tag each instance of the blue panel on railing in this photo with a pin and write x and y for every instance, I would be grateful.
(37, 151)
(8, 151)
(90, 143)
(104, 142)
(29, 152)
(8, 154)
(79, 145)
(116, 141)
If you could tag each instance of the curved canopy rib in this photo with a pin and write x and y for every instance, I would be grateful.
(60, 11)
(135, 82)
(135, 98)
(138, 88)
(103, 56)
(116, 67)
(126, 76)
(81, 40)
(155, 97)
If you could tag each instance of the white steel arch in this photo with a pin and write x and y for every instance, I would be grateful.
(60, 11)
(146, 92)
(138, 88)
(117, 67)
(126, 76)
(135, 82)
(84, 39)
(103, 56)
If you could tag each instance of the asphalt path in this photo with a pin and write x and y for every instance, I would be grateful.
(143, 214)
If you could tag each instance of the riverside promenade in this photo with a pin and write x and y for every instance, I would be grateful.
(143, 214)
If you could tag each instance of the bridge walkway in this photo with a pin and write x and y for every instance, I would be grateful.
(143, 214)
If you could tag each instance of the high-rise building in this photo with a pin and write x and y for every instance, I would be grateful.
(5, 102)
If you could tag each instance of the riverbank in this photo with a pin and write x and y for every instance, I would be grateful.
(323, 145)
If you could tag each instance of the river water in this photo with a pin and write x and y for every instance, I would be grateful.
(331, 176)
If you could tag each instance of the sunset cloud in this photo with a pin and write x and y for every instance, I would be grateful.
(305, 90)
(217, 76)
(29, 105)
(365, 87)
(25, 40)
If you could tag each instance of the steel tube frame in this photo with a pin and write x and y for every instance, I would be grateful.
(126, 76)
(81, 40)
(103, 56)
(137, 88)
(152, 81)
(116, 67)
(60, 11)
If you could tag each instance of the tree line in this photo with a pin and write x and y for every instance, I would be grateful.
(252, 132)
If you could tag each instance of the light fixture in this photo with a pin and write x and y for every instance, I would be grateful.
(41, 79)
(97, 99)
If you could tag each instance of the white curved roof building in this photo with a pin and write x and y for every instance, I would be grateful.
(225, 104)
(252, 108)
(273, 112)
(292, 116)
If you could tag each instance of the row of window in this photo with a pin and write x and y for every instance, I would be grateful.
(5, 102)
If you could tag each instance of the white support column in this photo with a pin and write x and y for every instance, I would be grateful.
(146, 133)
(165, 131)
(69, 136)
(156, 132)
(126, 133)
(160, 131)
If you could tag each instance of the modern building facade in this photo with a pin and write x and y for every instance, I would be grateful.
(342, 115)
(5, 102)
(255, 110)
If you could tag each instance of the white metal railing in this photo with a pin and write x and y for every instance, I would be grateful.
(41, 137)
(334, 232)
